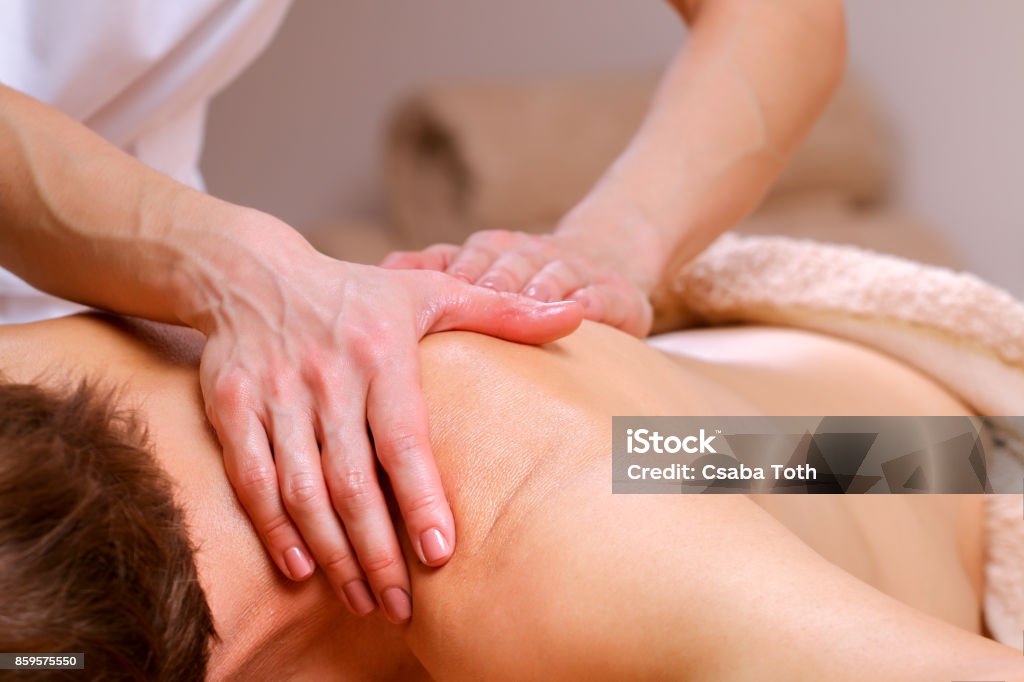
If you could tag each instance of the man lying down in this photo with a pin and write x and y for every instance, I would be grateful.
(113, 502)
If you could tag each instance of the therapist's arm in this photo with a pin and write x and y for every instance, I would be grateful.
(303, 351)
(734, 103)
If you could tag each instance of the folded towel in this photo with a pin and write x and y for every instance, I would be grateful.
(963, 332)
(826, 217)
(518, 156)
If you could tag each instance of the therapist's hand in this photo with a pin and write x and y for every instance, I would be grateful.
(542, 267)
(303, 353)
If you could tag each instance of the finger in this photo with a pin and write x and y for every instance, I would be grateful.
(509, 272)
(621, 306)
(508, 316)
(554, 282)
(398, 420)
(250, 469)
(305, 497)
(403, 260)
(440, 256)
(399, 424)
(351, 474)
(471, 263)
(436, 257)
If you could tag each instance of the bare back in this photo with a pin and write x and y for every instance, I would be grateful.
(521, 432)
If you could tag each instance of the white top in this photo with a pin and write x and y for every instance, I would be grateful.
(138, 72)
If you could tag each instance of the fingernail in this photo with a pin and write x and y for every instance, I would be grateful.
(397, 604)
(433, 546)
(359, 597)
(537, 293)
(299, 565)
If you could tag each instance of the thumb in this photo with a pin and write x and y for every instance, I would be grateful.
(508, 316)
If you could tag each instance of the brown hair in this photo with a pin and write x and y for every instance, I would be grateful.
(94, 553)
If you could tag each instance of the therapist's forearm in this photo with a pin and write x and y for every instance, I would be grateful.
(87, 222)
(730, 110)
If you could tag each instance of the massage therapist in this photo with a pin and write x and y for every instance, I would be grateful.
(102, 108)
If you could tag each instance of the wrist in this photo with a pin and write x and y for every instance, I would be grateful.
(610, 227)
(231, 251)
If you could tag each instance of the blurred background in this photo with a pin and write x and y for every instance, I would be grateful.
(924, 157)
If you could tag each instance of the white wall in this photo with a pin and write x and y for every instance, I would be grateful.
(950, 74)
(298, 135)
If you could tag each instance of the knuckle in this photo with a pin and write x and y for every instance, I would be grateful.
(421, 504)
(359, 334)
(256, 480)
(277, 525)
(380, 327)
(338, 561)
(499, 283)
(352, 492)
(501, 272)
(548, 281)
(230, 388)
(533, 258)
(567, 268)
(302, 491)
(378, 351)
(401, 447)
(376, 562)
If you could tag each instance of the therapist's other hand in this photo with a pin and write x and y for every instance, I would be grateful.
(303, 353)
(542, 267)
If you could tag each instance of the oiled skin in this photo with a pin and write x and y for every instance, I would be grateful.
(670, 587)
(553, 576)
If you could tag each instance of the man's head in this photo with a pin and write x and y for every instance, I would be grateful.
(94, 552)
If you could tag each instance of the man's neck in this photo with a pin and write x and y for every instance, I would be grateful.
(281, 630)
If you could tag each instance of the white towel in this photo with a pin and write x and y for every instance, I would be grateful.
(966, 334)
